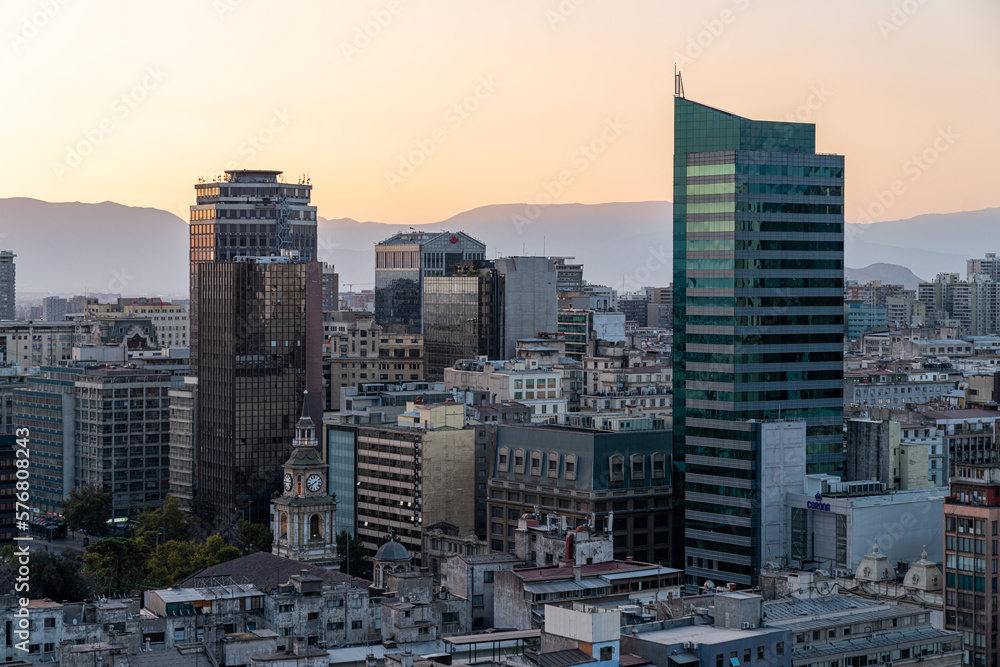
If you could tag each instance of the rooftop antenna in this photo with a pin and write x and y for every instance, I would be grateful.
(678, 83)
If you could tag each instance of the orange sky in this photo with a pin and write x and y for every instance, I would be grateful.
(445, 105)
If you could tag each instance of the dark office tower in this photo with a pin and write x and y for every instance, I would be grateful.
(261, 343)
(401, 264)
(758, 319)
(463, 316)
(8, 309)
(256, 333)
(247, 213)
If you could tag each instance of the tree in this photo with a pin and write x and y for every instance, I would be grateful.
(58, 576)
(353, 553)
(117, 564)
(252, 537)
(169, 523)
(88, 510)
(215, 551)
(172, 562)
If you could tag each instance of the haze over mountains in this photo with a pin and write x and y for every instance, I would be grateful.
(72, 247)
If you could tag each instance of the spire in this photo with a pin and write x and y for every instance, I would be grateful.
(305, 405)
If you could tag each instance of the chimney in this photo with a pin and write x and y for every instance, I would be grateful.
(576, 572)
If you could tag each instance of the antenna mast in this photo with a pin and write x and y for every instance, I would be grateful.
(678, 83)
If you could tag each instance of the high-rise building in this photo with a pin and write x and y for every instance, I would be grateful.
(47, 408)
(331, 288)
(54, 309)
(247, 213)
(401, 263)
(8, 309)
(256, 334)
(123, 435)
(971, 514)
(758, 319)
(531, 304)
(463, 317)
(183, 441)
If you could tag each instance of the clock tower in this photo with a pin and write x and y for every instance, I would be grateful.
(302, 518)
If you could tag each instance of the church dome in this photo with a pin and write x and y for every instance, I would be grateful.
(392, 551)
(923, 575)
(875, 567)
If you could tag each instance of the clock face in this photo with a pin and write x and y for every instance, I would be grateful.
(288, 482)
(314, 483)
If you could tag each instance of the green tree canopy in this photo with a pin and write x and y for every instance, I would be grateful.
(117, 564)
(88, 509)
(57, 576)
(252, 537)
(169, 523)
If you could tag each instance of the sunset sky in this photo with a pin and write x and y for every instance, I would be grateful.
(134, 101)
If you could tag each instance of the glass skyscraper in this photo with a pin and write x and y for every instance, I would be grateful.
(256, 335)
(758, 241)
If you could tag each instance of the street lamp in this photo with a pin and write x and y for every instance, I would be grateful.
(160, 533)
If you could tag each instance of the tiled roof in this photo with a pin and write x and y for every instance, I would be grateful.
(266, 571)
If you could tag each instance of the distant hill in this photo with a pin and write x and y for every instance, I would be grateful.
(72, 247)
(108, 247)
(890, 274)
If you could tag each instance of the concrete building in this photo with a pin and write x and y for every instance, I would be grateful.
(403, 260)
(521, 596)
(123, 435)
(8, 284)
(521, 380)
(183, 440)
(882, 388)
(444, 540)
(971, 513)
(530, 303)
(169, 320)
(861, 317)
(54, 309)
(358, 352)
(40, 343)
(973, 303)
(833, 524)
(431, 455)
(621, 384)
(471, 578)
(586, 474)
(905, 311)
(569, 275)
(331, 288)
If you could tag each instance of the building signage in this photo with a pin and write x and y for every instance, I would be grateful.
(818, 504)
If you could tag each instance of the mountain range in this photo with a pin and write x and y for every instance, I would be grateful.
(70, 247)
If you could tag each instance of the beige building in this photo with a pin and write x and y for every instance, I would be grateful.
(169, 320)
(357, 352)
(40, 343)
(419, 472)
(522, 380)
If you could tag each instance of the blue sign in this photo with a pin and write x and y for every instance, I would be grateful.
(818, 504)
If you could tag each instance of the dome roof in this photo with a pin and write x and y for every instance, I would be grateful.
(875, 567)
(392, 550)
(923, 575)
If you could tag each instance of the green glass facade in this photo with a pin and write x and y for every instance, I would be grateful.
(758, 319)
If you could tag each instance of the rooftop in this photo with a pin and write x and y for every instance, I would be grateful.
(592, 570)
(267, 571)
(875, 642)
(833, 604)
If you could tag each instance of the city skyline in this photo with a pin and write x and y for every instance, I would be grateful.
(358, 111)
